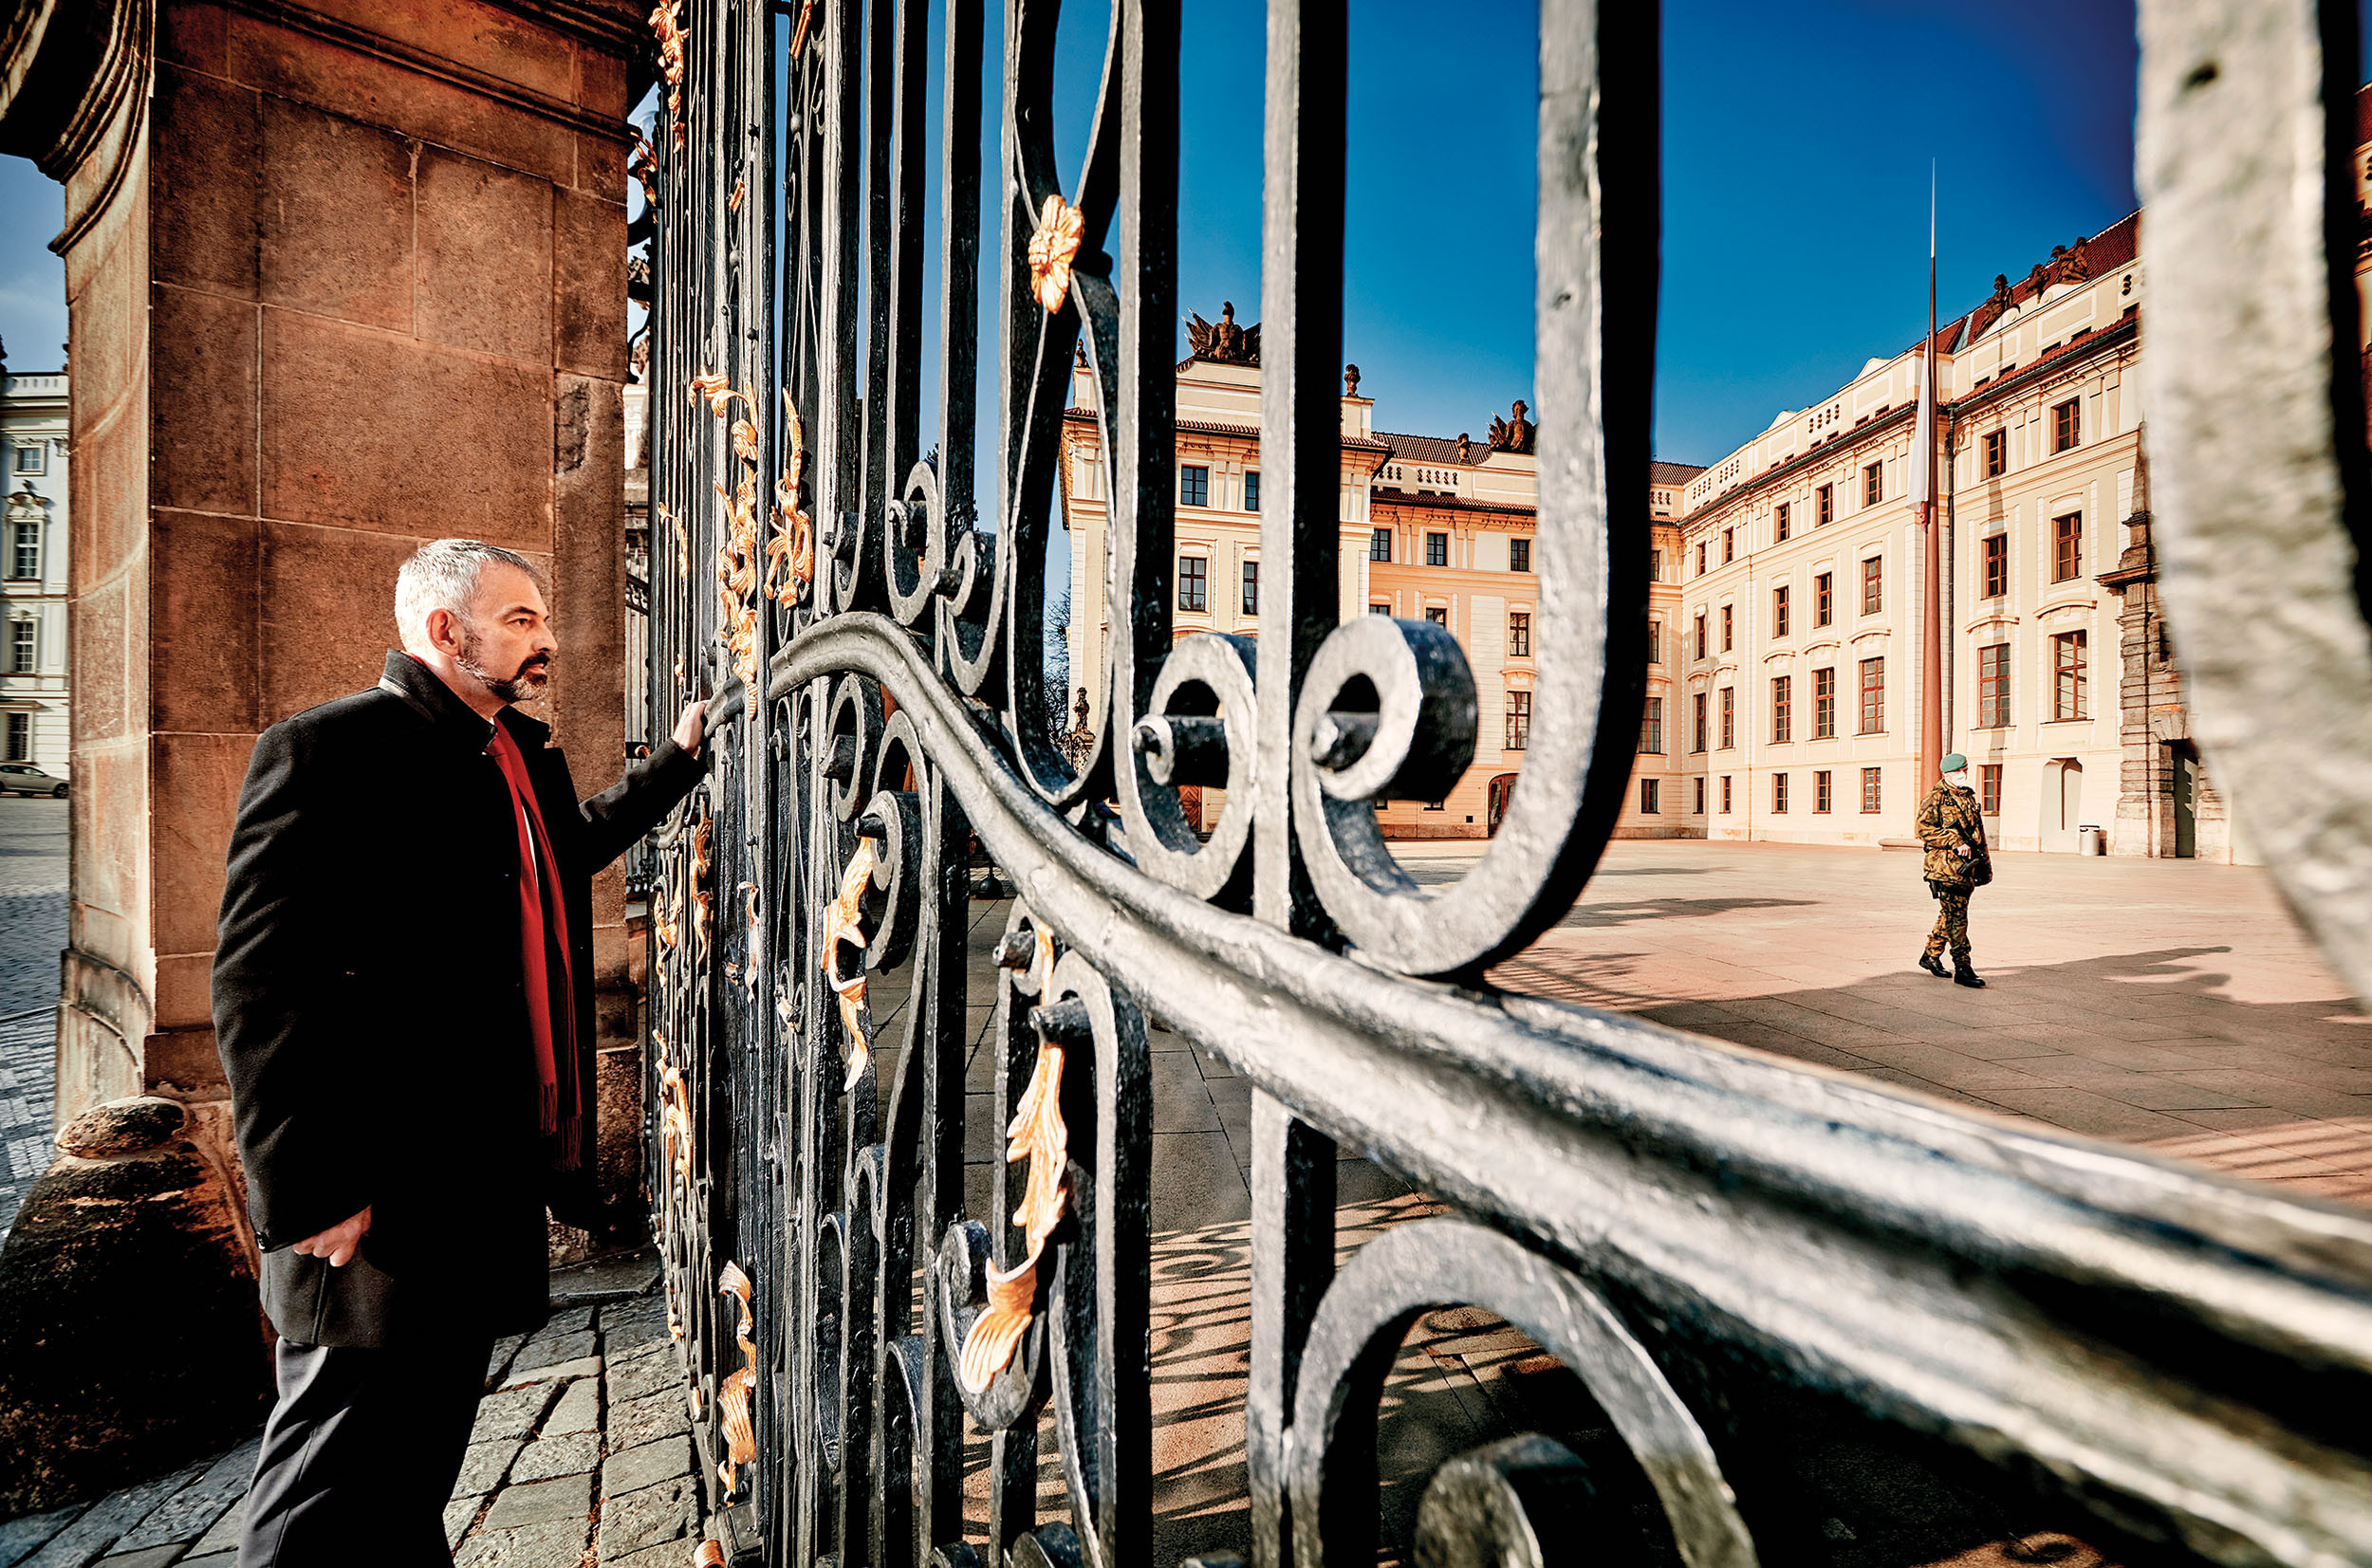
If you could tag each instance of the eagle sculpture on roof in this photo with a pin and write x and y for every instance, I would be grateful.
(1222, 342)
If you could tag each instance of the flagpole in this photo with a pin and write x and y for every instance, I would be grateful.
(1932, 640)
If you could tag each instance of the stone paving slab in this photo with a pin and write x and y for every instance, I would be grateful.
(2175, 1004)
(32, 931)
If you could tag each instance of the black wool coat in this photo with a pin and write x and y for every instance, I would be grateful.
(371, 1011)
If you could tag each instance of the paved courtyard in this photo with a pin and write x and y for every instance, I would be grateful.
(2168, 1004)
(32, 931)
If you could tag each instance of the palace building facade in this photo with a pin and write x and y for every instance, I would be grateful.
(1802, 579)
(1432, 527)
(1786, 612)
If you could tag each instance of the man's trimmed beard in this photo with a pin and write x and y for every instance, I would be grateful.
(523, 684)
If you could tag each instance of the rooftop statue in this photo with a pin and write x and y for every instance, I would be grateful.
(1222, 342)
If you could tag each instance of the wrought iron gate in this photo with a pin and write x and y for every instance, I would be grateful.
(1710, 1240)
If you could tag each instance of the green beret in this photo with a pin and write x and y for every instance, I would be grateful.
(1953, 763)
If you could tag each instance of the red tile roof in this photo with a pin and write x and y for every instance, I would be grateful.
(1662, 472)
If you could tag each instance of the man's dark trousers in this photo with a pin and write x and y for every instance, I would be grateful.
(374, 1030)
(361, 1453)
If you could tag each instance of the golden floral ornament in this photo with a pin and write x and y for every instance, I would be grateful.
(1037, 1134)
(796, 549)
(1053, 247)
(703, 835)
(709, 1555)
(735, 1392)
(843, 926)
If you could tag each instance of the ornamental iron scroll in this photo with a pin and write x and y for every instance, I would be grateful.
(1725, 1250)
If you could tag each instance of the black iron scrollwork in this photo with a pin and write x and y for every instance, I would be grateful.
(2150, 1351)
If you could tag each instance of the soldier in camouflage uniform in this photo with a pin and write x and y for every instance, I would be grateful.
(1952, 828)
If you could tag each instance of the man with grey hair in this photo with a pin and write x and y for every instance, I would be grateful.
(403, 1001)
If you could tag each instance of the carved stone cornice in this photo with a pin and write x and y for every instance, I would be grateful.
(68, 70)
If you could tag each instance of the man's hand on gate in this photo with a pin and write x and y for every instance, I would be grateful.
(690, 727)
(338, 1242)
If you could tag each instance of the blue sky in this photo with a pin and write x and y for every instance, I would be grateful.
(1797, 142)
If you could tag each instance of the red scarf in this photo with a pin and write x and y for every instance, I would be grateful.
(543, 932)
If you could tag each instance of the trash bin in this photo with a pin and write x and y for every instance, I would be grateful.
(2091, 841)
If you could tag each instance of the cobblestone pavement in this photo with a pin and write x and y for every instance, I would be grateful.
(32, 929)
(581, 1456)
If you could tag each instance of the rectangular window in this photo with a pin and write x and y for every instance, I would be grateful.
(1993, 687)
(1650, 729)
(1700, 558)
(1193, 582)
(1779, 611)
(2067, 425)
(1725, 794)
(1824, 704)
(1869, 789)
(1997, 453)
(2067, 547)
(1650, 798)
(24, 550)
(21, 635)
(1436, 549)
(1193, 486)
(1519, 635)
(1697, 733)
(1989, 789)
(1779, 792)
(1729, 717)
(1823, 506)
(1701, 645)
(1700, 795)
(1729, 628)
(1655, 642)
(1251, 587)
(1996, 565)
(32, 460)
(1820, 793)
(1379, 544)
(1779, 522)
(2068, 664)
(1519, 720)
(1375, 609)
(1873, 584)
(1823, 598)
(1437, 614)
(1251, 489)
(1728, 545)
(1519, 555)
(1873, 695)
(1655, 565)
(1782, 709)
(1874, 484)
(21, 738)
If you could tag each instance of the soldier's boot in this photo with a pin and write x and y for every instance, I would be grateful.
(1934, 964)
(1963, 975)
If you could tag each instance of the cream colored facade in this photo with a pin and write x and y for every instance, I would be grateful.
(1802, 608)
(1431, 526)
(34, 709)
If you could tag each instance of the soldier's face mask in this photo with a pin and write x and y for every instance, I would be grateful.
(1958, 778)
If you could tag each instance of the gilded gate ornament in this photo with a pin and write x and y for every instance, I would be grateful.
(1037, 1134)
(1052, 249)
(843, 928)
(736, 1389)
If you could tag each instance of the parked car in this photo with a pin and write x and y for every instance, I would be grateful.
(25, 779)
